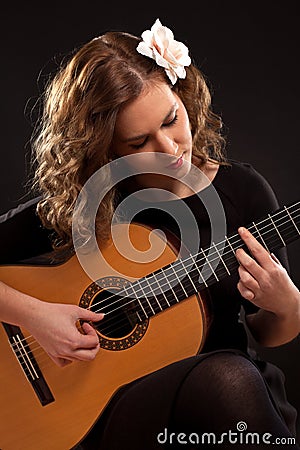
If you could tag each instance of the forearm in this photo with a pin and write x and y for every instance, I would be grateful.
(271, 330)
(53, 325)
(15, 306)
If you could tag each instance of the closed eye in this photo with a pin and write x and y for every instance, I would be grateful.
(167, 124)
(172, 122)
(136, 146)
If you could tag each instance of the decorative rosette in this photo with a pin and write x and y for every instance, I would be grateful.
(160, 45)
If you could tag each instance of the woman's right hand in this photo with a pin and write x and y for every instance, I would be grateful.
(54, 326)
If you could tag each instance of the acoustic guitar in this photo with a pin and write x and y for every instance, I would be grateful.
(45, 407)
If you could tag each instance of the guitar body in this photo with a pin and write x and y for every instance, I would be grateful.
(81, 390)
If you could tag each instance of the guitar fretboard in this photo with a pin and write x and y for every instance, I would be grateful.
(185, 277)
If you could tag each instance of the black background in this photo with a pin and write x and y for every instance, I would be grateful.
(249, 52)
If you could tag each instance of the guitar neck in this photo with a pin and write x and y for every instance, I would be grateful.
(185, 277)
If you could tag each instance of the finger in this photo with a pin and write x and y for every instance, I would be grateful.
(86, 354)
(249, 264)
(89, 339)
(247, 279)
(245, 292)
(90, 331)
(87, 315)
(261, 255)
(61, 362)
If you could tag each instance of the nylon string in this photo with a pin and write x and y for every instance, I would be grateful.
(30, 340)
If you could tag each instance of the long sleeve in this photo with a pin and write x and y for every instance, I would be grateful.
(22, 235)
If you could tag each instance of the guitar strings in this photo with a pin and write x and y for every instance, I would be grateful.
(204, 259)
(122, 306)
(166, 284)
(45, 355)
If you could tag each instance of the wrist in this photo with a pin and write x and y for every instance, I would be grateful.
(291, 310)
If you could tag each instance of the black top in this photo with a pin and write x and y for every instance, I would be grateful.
(246, 196)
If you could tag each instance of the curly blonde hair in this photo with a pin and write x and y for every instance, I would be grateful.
(80, 106)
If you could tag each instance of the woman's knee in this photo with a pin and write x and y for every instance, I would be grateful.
(224, 375)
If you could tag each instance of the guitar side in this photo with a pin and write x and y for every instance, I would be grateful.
(81, 390)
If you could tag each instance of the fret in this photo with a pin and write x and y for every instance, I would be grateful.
(220, 257)
(166, 291)
(231, 248)
(180, 284)
(198, 270)
(169, 284)
(138, 300)
(184, 277)
(288, 222)
(210, 266)
(153, 292)
(292, 220)
(188, 275)
(276, 229)
(139, 317)
(138, 282)
(261, 238)
(162, 290)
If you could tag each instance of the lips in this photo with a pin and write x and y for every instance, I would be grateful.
(178, 163)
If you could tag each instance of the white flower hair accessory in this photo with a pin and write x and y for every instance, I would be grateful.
(160, 45)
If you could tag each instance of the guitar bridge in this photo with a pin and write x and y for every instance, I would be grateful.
(28, 363)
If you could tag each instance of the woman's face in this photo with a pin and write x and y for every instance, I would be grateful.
(157, 126)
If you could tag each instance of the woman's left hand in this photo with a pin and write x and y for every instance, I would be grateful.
(263, 280)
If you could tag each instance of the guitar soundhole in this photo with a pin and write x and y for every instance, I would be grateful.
(121, 328)
(120, 319)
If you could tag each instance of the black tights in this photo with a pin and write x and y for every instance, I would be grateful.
(213, 394)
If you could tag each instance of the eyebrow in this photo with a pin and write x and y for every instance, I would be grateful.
(141, 136)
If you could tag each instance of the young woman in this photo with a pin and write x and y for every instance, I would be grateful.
(118, 96)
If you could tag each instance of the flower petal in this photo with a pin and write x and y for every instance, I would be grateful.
(172, 76)
(147, 37)
(159, 44)
(144, 50)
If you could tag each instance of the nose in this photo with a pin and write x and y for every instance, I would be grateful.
(168, 145)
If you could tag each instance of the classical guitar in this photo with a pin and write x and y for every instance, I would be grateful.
(45, 407)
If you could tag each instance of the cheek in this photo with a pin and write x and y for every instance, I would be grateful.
(138, 161)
